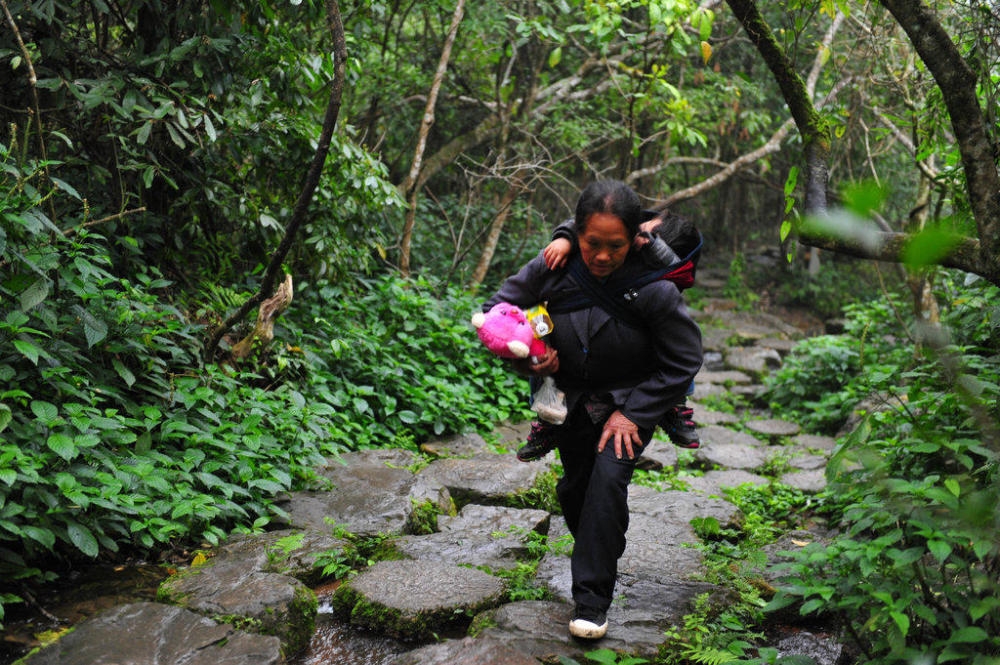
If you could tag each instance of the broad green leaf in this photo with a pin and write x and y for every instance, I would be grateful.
(408, 417)
(144, 132)
(8, 476)
(5, 417)
(66, 187)
(43, 536)
(34, 294)
(705, 27)
(786, 228)
(863, 198)
(981, 608)
(939, 549)
(175, 135)
(62, 445)
(93, 329)
(604, 656)
(791, 180)
(969, 634)
(929, 246)
(902, 621)
(555, 56)
(123, 372)
(209, 128)
(953, 486)
(44, 411)
(84, 540)
(28, 350)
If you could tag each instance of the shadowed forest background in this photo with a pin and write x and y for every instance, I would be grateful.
(165, 164)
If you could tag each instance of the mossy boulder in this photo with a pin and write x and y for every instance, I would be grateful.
(227, 590)
(414, 600)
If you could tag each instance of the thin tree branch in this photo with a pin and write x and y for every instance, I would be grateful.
(410, 186)
(95, 222)
(308, 188)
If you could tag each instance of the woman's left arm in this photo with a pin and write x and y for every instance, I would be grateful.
(677, 354)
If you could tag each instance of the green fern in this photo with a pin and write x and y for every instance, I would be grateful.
(710, 656)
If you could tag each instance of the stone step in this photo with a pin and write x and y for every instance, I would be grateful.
(416, 599)
(152, 633)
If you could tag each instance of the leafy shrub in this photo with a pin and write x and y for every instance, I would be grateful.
(913, 574)
(114, 438)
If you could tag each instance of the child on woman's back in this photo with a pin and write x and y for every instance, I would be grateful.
(657, 240)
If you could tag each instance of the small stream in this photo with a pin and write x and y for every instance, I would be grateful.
(75, 596)
(337, 643)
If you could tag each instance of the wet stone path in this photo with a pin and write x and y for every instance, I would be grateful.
(451, 526)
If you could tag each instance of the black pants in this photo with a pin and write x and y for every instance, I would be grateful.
(593, 493)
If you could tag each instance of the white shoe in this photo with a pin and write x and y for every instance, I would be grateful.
(588, 624)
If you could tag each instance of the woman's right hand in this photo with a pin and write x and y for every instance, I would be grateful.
(543, 365)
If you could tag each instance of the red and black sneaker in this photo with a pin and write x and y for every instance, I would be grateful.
(541, 441)
(680, 428)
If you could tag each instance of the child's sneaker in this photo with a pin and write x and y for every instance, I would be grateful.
(541, 440)
(679, 426)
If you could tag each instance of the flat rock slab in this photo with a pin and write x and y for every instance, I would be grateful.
(782, 346)
(725, 377)
(773, 428)
(636, 622)
(513, 433)
(468, 651)
(757, 325)
(712, 360)
(458, 445)
(493, 519)
(416, 599)
(392, 457)
(807, 481)
(654, 552)
(714, 339)
(367, 500)
(713, 481)
(466, 547)
(288, 552)
(703, 390)
(731, 455)
(155, 634)
(658, 455)
(675, 509)
(267, 603)
(756, 361)
(815, 441)
(485, 479)
(711, 434)
(704, 416)
(805, 461)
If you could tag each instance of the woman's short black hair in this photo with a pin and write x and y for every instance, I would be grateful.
(613, 197)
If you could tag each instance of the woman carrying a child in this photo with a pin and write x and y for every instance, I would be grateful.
(620, 378)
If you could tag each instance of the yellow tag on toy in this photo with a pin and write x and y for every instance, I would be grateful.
(541, 322)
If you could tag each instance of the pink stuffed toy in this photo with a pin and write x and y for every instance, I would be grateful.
(506, 332)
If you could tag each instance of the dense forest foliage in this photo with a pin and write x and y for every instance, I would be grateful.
(153, 153)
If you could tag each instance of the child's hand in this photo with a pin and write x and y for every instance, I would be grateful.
(646, 227)
(556, 252)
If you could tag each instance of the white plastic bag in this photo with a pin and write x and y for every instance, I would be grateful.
(549, 402)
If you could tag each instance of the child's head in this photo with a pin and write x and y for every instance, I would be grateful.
(612, 197)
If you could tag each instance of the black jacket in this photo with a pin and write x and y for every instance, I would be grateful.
(645, 370)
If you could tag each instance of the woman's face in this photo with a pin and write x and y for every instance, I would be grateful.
(604, 243)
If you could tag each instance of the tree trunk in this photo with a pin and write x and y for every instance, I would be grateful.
(411, 185)
(496, 226)
(978, 255)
